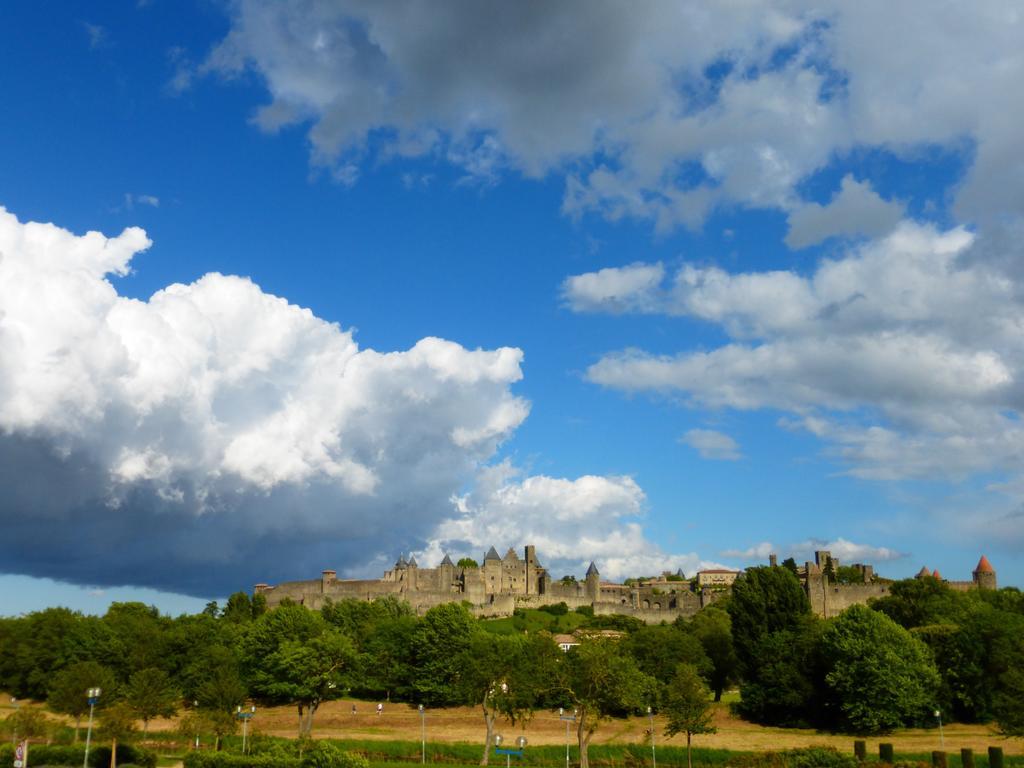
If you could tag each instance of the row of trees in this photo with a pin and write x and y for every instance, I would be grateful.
(872, 669)
(922, 648)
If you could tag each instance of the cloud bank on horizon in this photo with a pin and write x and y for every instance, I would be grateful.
(215, 432)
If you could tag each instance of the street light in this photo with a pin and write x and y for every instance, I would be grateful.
(93, 695)
(423, 736)
(654, 757)
(568, 719)
(14, 731)
(245, 717)
(942, 740)
(520, 742)
(195, 707)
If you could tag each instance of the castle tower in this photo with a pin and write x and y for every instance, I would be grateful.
(327, 578)
(413, 572)
(593, 583)
(446, 574)
(530, 556)
(984, 574)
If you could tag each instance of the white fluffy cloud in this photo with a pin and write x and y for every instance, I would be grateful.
(712, 444)
(214, 435)
(571, 522)
(652, 110)
(219, 412)
(904, 354)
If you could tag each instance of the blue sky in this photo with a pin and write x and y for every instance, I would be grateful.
(658, 288)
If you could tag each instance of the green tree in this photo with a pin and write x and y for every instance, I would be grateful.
(775, 637)
(151, 693)
(1008, 706)
(68, 689)
(880, 676)
(238, 609)
(687, 706)
(117, 723)
(919, 602)
(27, 723)
(293, 656)
(602, 681)
(467, 562)
(310, 672)
(506, 676)
(386, 662)
(764, 600)
(790, 565)
(437, 645)
(658, 650)
(713, 629)
(215, 681)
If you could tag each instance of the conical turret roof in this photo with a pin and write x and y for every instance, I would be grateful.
(984, 566)
(923, 572)
(401, 563)
(592, 570)
(492, 554)
(447, 561)
(412, 562)
(936, 574)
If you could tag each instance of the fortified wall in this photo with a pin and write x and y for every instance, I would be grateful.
(500, 585)
(829, 598)
(497, 587)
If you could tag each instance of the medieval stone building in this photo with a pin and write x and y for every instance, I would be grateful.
(499, 585)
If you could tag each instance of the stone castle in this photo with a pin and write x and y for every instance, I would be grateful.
(499, 585)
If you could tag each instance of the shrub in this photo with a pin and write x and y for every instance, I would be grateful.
(324, 754)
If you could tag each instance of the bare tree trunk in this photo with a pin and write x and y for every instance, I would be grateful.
(689, 762)
(113, 753)
(583, 738)
(306, 712)
(489, 738)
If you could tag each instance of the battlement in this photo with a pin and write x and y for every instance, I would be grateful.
(501, 584)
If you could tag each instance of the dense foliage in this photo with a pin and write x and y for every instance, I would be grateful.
(923, 647)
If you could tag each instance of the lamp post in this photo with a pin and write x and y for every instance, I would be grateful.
(942, 739)
(195, 710)
(93, 695)
(568, 719)
(423, 736)
(245, 717)
(520, 742)
(14, 731)
(654, 757)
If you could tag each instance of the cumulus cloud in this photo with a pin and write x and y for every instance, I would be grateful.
(711, 444)
(856, 209)
(615, 289)
(903, 354)
(191, 429)
(215, 435)
(651, 110)
(571, 522)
